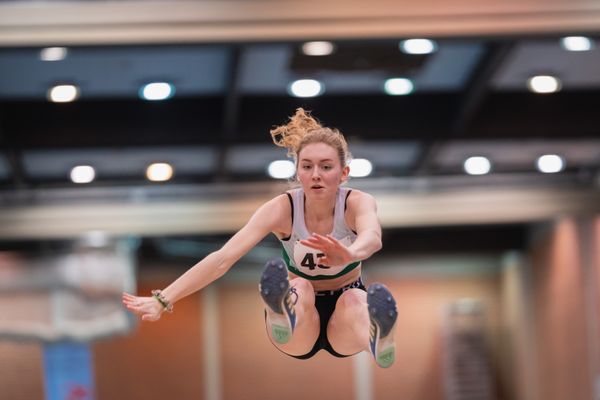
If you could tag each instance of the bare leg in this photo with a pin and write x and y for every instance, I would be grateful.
(348, 329)
(362, 322)
(307, 326)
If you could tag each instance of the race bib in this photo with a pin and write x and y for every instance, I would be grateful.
(306, 259)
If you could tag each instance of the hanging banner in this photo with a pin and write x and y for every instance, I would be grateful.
(68, 371)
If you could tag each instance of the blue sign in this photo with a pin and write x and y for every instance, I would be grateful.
(68, 371)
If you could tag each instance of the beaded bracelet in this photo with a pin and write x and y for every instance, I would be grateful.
(157, 294)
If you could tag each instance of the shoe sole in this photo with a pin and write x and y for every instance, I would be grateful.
(383, 315)
(273, 287)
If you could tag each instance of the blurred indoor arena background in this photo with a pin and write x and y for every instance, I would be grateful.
(481, 145)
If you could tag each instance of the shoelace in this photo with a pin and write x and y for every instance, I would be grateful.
(295, 293)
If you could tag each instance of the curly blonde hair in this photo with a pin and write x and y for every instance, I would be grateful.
(303, 129)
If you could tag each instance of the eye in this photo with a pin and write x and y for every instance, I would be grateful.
(306, 166)
(326, 167)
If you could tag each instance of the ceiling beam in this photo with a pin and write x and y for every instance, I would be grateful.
(15, 160)
(13, 157)
(479, 85)
(227, 210)
(230, 112)
(179, 21)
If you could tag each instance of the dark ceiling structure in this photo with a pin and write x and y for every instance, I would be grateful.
(470, 94)
(231, 65)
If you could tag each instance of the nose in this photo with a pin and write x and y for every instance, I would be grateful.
(316, 174)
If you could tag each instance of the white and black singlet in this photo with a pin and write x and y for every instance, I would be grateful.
(302, 260)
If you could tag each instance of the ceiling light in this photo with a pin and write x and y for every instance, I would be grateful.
(576, 43)
(63, 93)
(318, 48)
(96, 239)
(477, 165)
(550, 163)
(83, 174)
(360, 167)
(53, 53)
(544, 84)
(157, 91)
(306, 88)
(398, 86)
(281, 169)
(418, 46)
(159, 172)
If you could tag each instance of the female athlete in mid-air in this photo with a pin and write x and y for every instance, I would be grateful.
(314, 296)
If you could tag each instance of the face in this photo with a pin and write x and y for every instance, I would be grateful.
(320, 170)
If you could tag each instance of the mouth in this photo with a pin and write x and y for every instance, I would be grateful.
(317, 187)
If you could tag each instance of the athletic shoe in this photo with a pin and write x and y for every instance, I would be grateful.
(276, 292)
(383, 314)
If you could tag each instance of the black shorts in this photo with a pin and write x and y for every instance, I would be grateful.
(325, 302)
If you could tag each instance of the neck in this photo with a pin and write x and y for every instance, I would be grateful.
(319, 208)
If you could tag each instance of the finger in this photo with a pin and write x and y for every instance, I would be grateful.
(127, 302)
(319, 237)
(134, 310)
(315, 239)
(131, 303)
(127, 296)
(329, 241)
(333, 241)
(312, 245)
(324, 260)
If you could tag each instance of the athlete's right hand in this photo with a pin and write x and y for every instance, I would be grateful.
(147, 307)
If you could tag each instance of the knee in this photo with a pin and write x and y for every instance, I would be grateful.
(302, 284)
(303, 287)
(351, 300)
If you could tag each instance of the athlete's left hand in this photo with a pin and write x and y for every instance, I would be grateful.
(335, 253)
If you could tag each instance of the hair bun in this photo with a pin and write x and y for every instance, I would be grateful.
(290, 134)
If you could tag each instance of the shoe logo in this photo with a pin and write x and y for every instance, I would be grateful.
(373, 331)
(289, 305)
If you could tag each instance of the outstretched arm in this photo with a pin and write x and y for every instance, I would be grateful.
(363, 210)
(268, 218)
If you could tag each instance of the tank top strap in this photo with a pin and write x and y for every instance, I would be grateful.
(339, 217)
(299, 226)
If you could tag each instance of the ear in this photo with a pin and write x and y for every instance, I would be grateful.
(345, 173)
